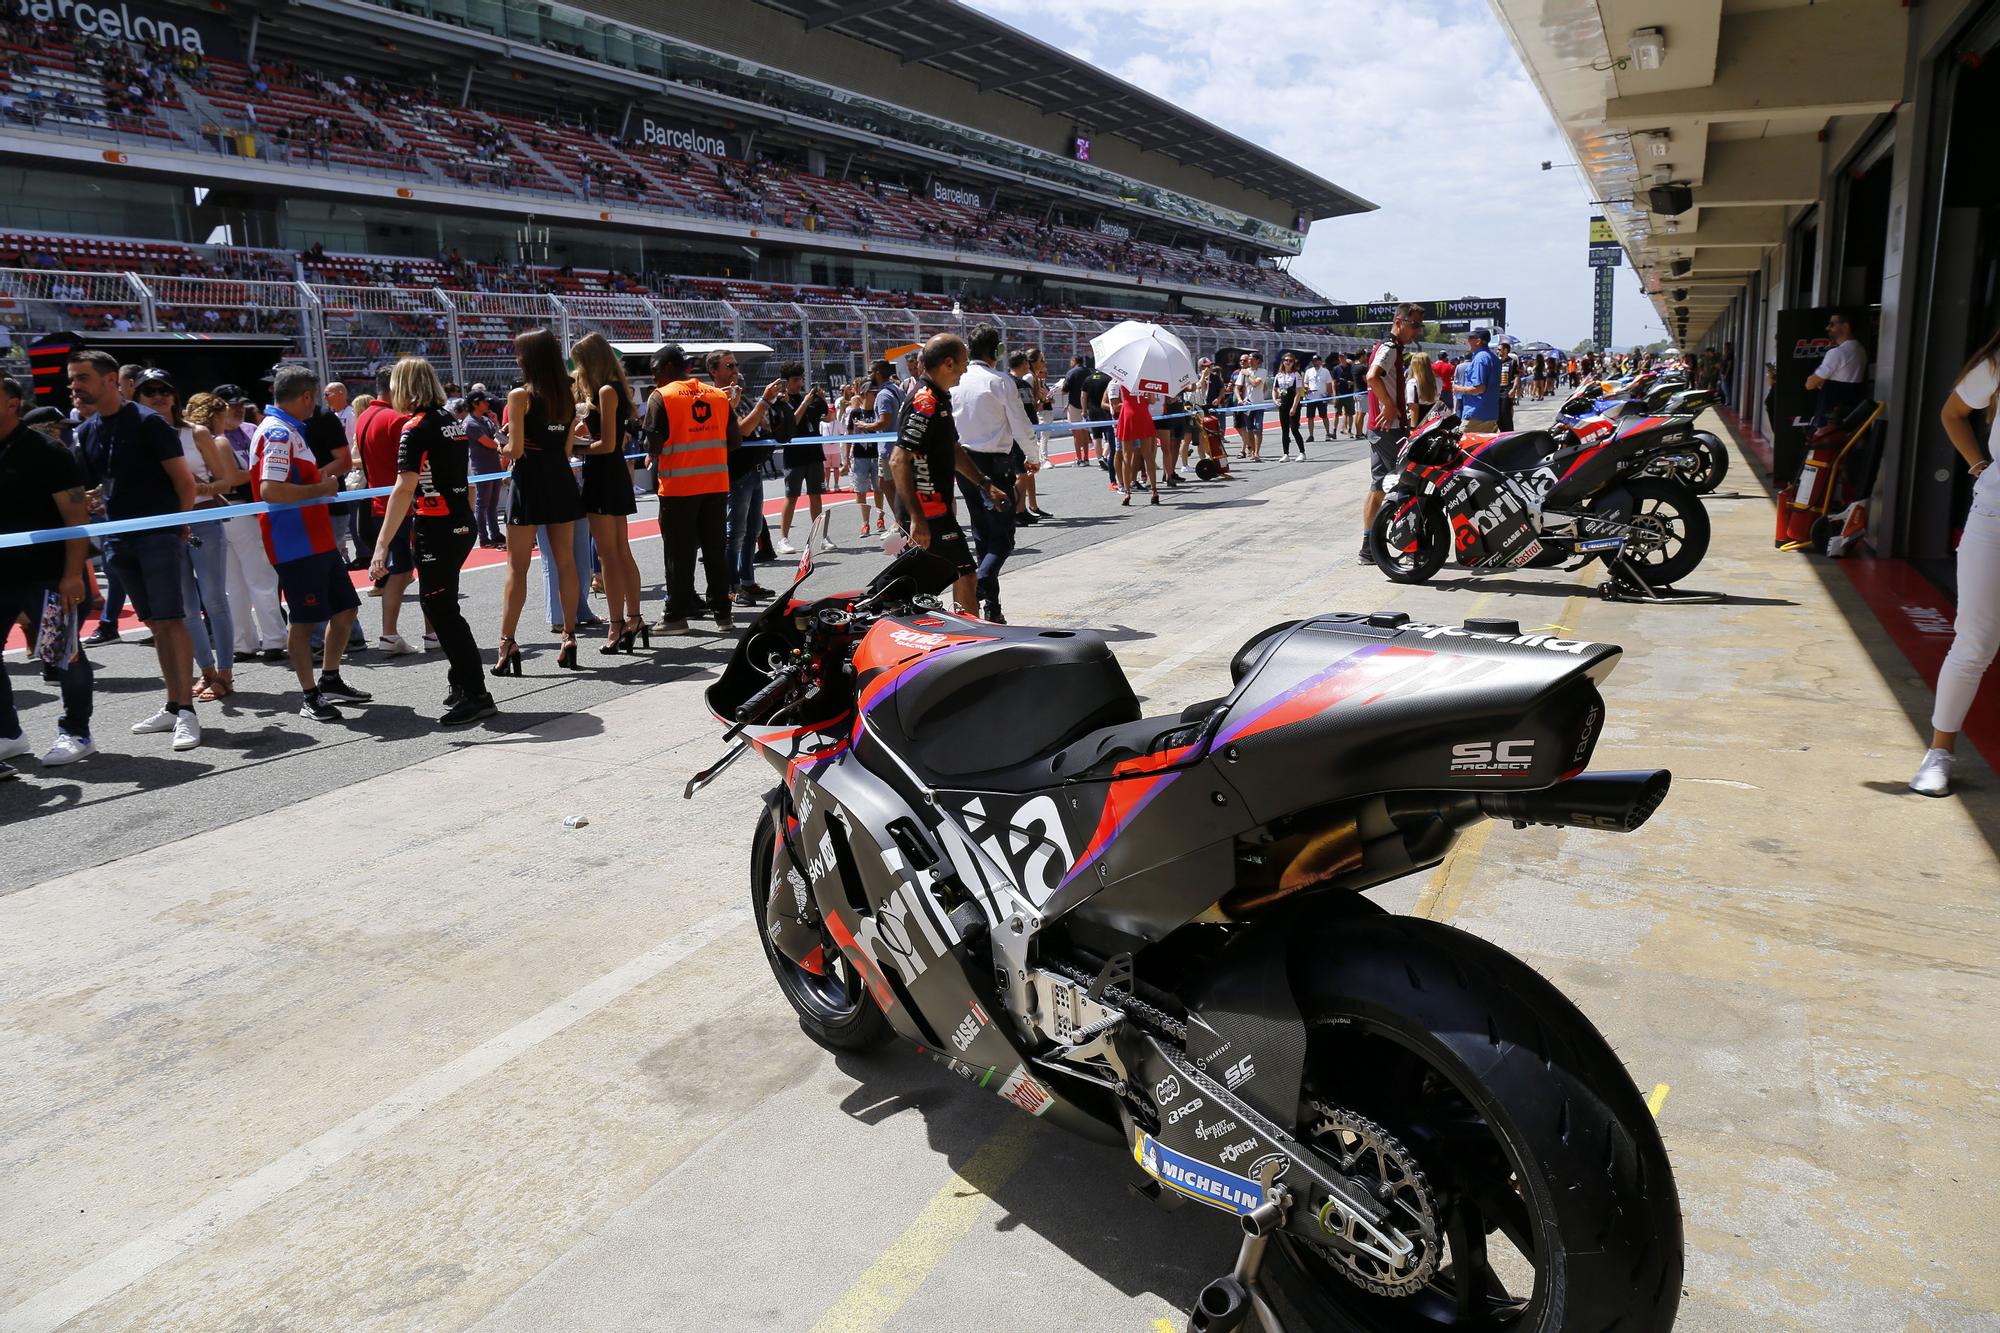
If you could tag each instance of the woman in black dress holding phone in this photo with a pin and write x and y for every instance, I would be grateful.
(540, 435)
(606, 397)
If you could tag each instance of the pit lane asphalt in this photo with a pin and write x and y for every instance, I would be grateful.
(257, 754)
(475, 1070)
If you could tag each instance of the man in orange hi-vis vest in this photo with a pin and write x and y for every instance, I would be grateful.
(694, 426)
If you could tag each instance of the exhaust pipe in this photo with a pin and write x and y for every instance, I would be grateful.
(1617, 802)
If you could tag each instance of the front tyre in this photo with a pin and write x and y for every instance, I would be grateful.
(1533, 1175)
(1418, 549)
(832, 1003)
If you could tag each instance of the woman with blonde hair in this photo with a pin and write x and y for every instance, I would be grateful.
(205, 571)
(431, 482)
(252, 585)
(541, 434)
(606, 396)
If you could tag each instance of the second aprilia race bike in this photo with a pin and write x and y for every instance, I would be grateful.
(1536, 499)
(1150, 930)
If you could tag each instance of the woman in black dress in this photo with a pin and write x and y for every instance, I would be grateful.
(541, 432)
(602, 390)
(431, 470)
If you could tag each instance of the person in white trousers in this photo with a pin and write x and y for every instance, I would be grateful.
(253, 589)
(252, 584)
(1976, 633)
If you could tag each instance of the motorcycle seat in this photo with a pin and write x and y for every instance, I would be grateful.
(1006, 704)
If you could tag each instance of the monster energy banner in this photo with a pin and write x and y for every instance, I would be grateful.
(1480, 308)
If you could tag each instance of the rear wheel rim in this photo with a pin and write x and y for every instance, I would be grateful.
(1495, 1246)
(1662, 529)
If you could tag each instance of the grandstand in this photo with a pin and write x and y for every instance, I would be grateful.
(373, 177)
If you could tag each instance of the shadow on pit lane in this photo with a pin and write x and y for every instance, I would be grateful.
(1560, 588)
(1073, 1193)
(1979, 798)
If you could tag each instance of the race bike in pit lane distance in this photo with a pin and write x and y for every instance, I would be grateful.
(1538, 498)
(1595, 411)
(1150, 930)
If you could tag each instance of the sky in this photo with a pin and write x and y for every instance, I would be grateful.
(1437, 124)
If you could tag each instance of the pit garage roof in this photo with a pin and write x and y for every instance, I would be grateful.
(1743, 110)
(997, 58)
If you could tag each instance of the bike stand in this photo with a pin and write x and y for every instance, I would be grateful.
(1627, 584)
(1229, 1303)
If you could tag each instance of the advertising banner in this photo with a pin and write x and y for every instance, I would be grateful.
(687, 138)
(947, 192)
(204, 33)
(1482, 308)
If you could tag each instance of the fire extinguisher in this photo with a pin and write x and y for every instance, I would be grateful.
(1800, 503)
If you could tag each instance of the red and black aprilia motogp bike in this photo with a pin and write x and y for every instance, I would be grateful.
(1535, 498)
(1151, 930)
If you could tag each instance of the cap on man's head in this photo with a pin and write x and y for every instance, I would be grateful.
(44, 416)
(231, 393)
(1484, 335)
(154, 381)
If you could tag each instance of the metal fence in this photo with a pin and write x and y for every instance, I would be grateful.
(349, 332)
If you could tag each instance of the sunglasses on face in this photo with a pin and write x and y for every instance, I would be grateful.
(155, 391)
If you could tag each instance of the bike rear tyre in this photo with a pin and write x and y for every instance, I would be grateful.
(834, 1011)
(1671, 507)
(1522, 1120)
(1432, 541)
(1714, 462)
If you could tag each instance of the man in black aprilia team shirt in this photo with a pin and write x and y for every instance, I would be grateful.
(927, 455)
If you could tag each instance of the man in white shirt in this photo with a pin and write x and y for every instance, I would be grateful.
(986, 404)
(1841, 375)
(1319, 384)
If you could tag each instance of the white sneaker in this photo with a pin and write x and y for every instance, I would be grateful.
(1934, 774)
(397, 646)
(68, 749)
(160, 721)
(16, 747)
(187, 730)
(783, 547)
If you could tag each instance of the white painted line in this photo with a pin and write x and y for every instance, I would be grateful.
(100, 1281)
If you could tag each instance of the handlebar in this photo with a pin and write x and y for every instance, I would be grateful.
(753, 708)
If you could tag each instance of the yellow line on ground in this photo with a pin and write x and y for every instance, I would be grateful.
(892, 1279)
(1657, 1098)
(1165, 1326)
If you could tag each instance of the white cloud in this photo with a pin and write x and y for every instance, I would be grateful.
(1422, 108)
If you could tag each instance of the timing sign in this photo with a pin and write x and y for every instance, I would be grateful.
(1492, 309)
(1605, 252)
(1600, 321)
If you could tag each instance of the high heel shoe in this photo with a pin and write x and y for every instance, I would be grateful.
(637, 630)
(617, 640)
(566, 659)
(507, 661)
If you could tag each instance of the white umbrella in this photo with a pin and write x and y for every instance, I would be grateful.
(1143, 357)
